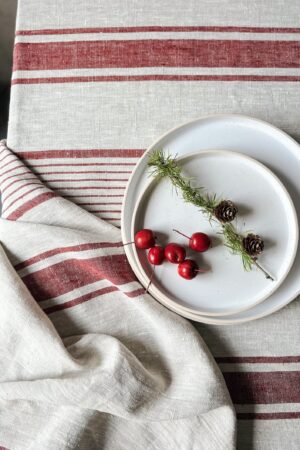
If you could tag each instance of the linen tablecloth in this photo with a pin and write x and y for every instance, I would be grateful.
(95, 82)
(88, 359)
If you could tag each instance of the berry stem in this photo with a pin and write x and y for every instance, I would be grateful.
(267, 274)
(182, 234)
(202, 270)
(128, 243)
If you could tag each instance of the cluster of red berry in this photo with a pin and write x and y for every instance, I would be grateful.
(174, 253)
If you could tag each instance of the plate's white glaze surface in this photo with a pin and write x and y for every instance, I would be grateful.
(264, 205)
(236, 133)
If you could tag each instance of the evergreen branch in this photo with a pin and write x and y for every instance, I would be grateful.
(166, 166)
(234, 241)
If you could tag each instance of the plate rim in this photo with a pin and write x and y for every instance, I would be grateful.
(292, 217)
(224, 116)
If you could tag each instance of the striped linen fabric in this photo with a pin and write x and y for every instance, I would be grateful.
(94, 83)
(88, 360)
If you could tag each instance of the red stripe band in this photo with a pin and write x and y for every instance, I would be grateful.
(6, 156)
(99, 203)
(90, 296)
(263, 387)
(32, 183)
(268, 416)
(32, 177)
(111, 218)
(71, 248)
(75, 180)
(8, 163)
(93, 195)
(19, 166)
(87, 153)
(18, 174)
(70, 274)
(135, 293)
(79, 300)
(67, 164)
(64, 188)
(20, 197)
(257, 359)
(82, 172)
(19, 212)
(156, 53)
(105, 211)
(161, 29)
(131, 78)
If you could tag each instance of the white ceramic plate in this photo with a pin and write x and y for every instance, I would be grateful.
(242, 134)
(226, 288)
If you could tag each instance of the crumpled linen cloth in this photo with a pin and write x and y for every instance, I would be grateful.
(88, 360)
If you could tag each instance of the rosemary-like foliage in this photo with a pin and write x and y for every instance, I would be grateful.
(166, 166)
(234, 241)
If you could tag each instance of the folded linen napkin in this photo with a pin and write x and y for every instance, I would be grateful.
(88, 360)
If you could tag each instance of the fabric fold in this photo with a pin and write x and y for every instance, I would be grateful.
(83, 345)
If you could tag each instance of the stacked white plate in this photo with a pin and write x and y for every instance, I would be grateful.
(255, 165)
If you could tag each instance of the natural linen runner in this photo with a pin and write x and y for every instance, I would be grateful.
(88, 360)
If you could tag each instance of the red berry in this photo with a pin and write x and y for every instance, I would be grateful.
(175, 253)
(156, 255)
(188, 269)
(199, 242)
(144, 239)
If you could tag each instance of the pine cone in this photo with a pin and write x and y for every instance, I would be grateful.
(225, 211)
(253, 244)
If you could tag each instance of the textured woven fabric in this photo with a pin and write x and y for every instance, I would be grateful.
(96, 82)
(88, 360)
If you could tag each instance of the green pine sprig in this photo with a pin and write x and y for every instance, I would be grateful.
(234, 241)
(166, 166)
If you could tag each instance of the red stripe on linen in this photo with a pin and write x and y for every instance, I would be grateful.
(108, 211)
(71, 274)
(136, 293)
(154, 53)
(9, 162)
(85, 172)
(28, 172)
(119, 78)
(149, 29)
(32, 177)
(67, 180)
(21, 187)
(90, 296)
(99, 203)
(71, 248)
(19, 166)
(268, 416)
(93, 195)
(6, 156)
(79, 300)
(65, 188)
(82, 164)
(20, 197)
(257, 359)
(19, 212)
(263, 387)
(88, 153)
